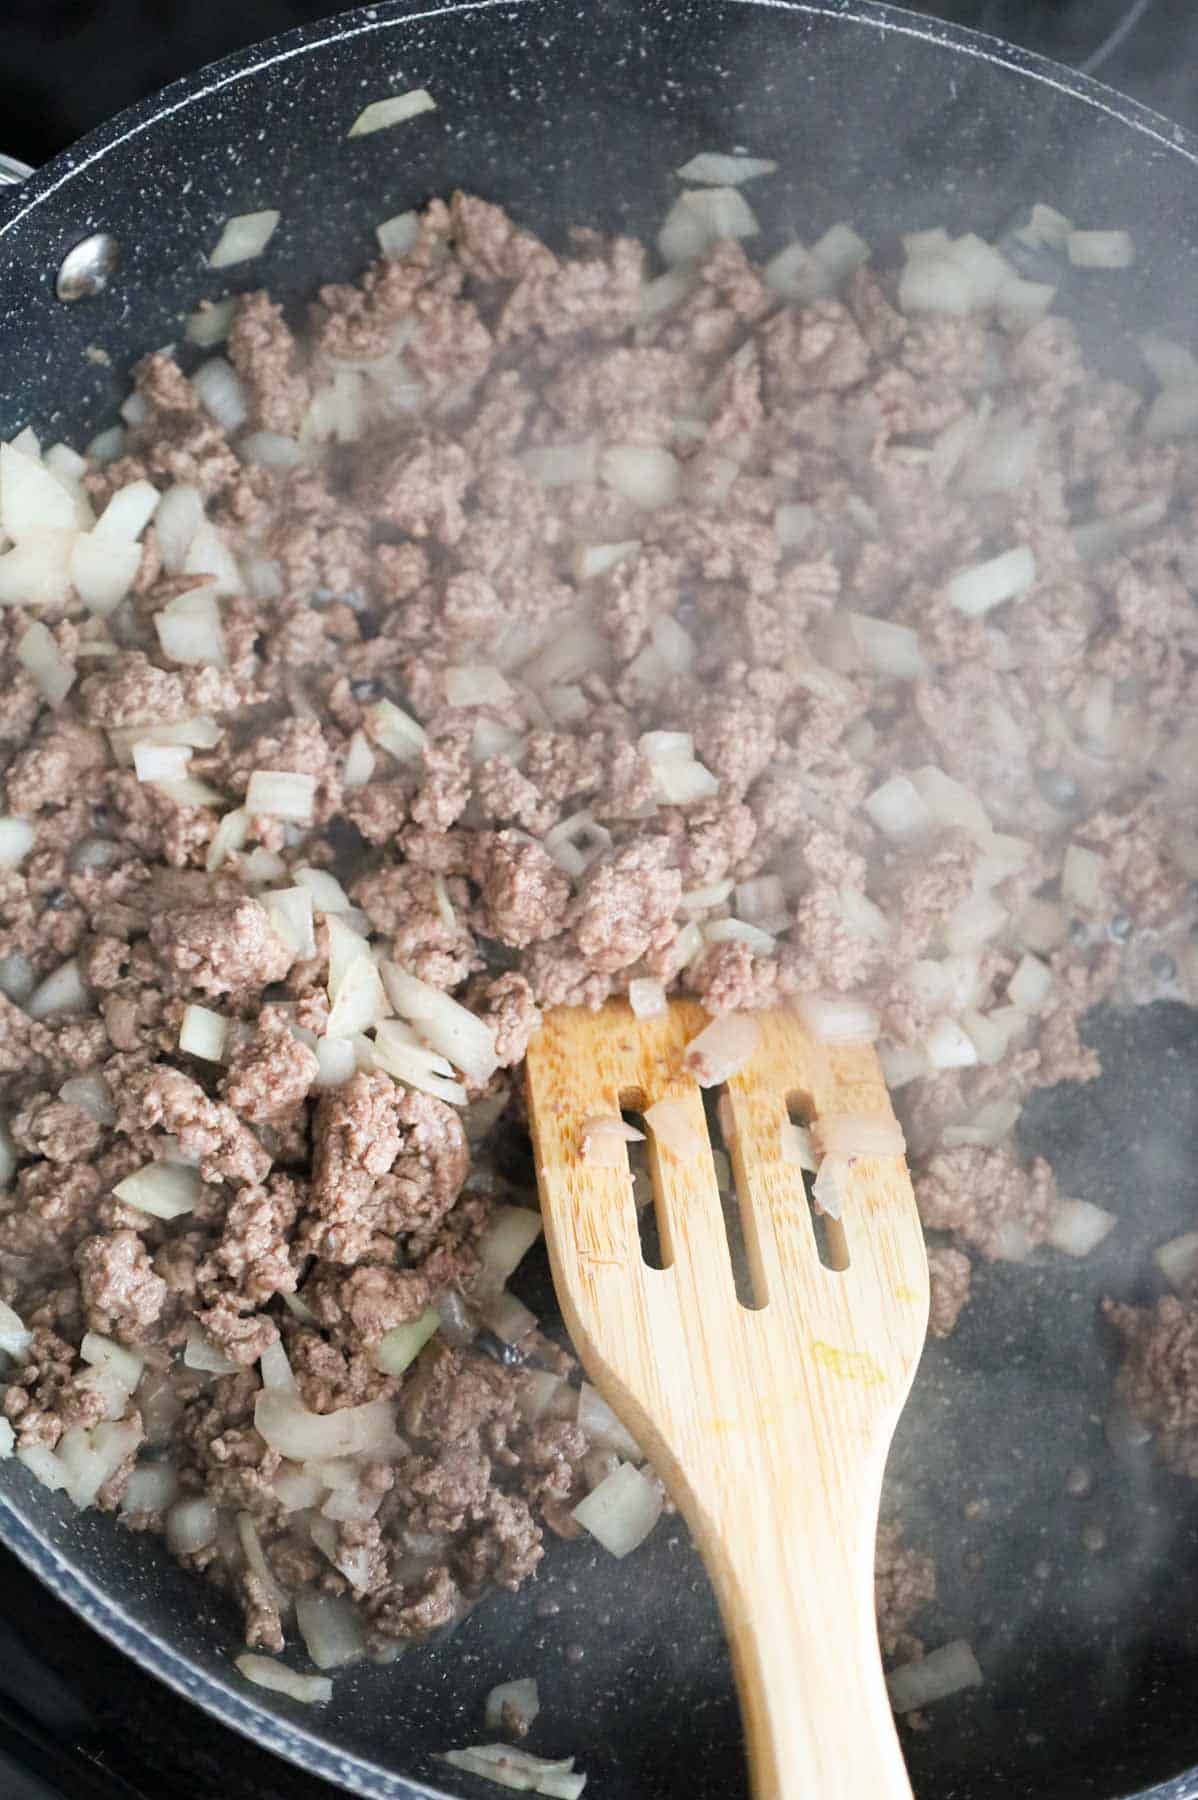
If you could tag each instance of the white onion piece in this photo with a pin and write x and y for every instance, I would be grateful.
(509, 1236)
(934, 1677)
(394, 731)
(1031, 985)
(603, 1138)
(949, 1046)
(400, 1346)
(199, 1354)
(600, 1425)
(722, 1049)
(1100, 249)
(191, 1525)
(445, 1025)
(1047, 229)
(672, 1130)
(296, 1489)
(397, 234)
(337, 1062)
(291, 912)
(622, 1510)
(32, 500)
(288, 1427)
(399, 1052)
(512, 1706)
(797, 1147)
(36, 572)
(221, 394)
(151, 1487)
(647, 998)
(44, 1466)
(16, 841)
(700, 218)
(666, 746)
(91, 1094)
(976, 590)
(103, 569)
(41, 658)
(61, 991)
(1077, 1227)
(838, 1018)
(90, 1457)
(727, 931)
(179, 517)
(593, 560)
(711, 169)
(189, 629)
(209, 324)
(164, 1189)
(858, 1134)
(990, 1125)
(477, 684)
(161, 762)
(1083, 879)
(1177, 1261)
(381, 114)
(330, 1627)
(891, 650)
(359, 761)
(14, 1338)
(202, 1033)
(243, 237)
(647, 476)
(899, 810)
(275, 1368)
(518, 1769)
(951, 803)
(125, 1366)
(830, 1185)
(360, 1002)
(973, 923)
(575, 843)
(561, 465)
(281, 794)
(264, 1672)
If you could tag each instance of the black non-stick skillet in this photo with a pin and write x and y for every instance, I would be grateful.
(567, 112)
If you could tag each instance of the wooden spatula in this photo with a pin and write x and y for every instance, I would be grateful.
(770, 1427)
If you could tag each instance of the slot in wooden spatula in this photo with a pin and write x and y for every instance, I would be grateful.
(769, 1426)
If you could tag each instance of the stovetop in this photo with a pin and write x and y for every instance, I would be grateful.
(78, 1721)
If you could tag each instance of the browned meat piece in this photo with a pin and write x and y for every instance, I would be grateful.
(987, 1200)
(56, 1129)
(221, 949)
(208, 1131)
(626, 905)
(1158, 1380)
(950, 1272)
(359, 1307)
(270, 1073)
(356, 1138)
(403, 904)
(266, 356)
(524, 893)
(120, 1290)
(254, 1251)
(904, 1583)
(507, 1005)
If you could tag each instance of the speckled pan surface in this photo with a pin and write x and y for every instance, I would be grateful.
(567, 113)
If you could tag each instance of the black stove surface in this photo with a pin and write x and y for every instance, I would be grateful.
(78, 1721)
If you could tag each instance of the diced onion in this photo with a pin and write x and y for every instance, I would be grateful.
(381, 114)
(399, 1052)
(1083, 879)
(508, 1317)
(725, 931)
(337, 1061)
(830, 1184)
(512, 1706)
(510, 1234)
(446, 1026)
(397, 234)
(151, 1487)
(40, 656)
(103, 568)
(209, 324)
(1177, 1261)
(221, 393)
(700, 218)
(672, 1130)
(889, 649)
(838, 1018)
(198, 1353)
(722, 1049)
(291, 911)
(330, 1627)
(189, 629)
(191, 1525)
(89, 1458)
(161, 762)
(974, 922)
(797, 1147)
(394, 731)
(622, 1511)
(288, 1427)
(975, 591)
(264, 1672)
(281, 794)
(229, 837)
(243, 237)
(711, 169)
(647, 476)
(518, 1769)
(599, 1424)
(949, 1046)
(575, 843)
(16, 841)
(400, 1346)
(1100, 249)
(1077, 1227)
(858, 1134)
(477, 684)
(202, 1033)
(933, 1677)
(991, 1124)
(1031, 985)
(32, 500)
(14, 1338)
(603, 1138)
(647, 998)
(61, 991)
(44, 1466)
(167, 1190)
(275, 1368)
(898, 809)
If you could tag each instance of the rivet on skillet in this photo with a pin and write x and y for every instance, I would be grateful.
(86, 270)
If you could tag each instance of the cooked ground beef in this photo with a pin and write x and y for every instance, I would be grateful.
(552, 641)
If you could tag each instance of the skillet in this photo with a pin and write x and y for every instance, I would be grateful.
(570, 113)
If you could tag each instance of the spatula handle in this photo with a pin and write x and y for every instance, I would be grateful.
(799, 1610)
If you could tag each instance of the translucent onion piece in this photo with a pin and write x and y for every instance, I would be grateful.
(16, 841)
(281, 794)
(977, 590)
(1077, 1227)
(381, 114)
(647, 998)
(288, 1427)
(400, 1346)
(509, 1236)
(828, 1188)
(672, 1130)
(264, 1672)
(722, 1049)
(1177, 1260)
(933, 1677)
(1100, 249)
(446, 1026)
(599, 1424)
(838, 1018)
(164, 1189)
(151, 1488)
(198, 1353)
(622, 1510)
(603, 1139)
(857, 1134)
(14, 1338)
(202, 1033)
(244, 236)
(330, 1627)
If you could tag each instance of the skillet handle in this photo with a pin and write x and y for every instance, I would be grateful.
(12, 171)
